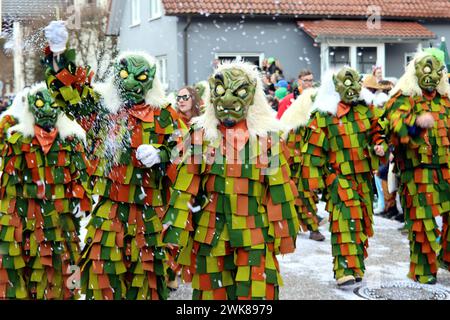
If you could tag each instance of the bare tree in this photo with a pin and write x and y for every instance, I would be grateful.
(93, 46)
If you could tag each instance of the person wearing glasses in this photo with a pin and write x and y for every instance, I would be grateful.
(188, 107)
(305, 81)
(188, 104)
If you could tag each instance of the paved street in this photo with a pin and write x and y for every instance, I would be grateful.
(308, 275)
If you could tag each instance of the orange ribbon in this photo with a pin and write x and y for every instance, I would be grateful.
(236, 136)
(45, 138)
(342, 109)
(142, 112)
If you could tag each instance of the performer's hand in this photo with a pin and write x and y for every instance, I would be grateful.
(148, 155)
(379, 151)
(425, 120)
(57, 36)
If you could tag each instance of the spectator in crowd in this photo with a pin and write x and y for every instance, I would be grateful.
(274, 78)
(272, 66)
(386, 201)
(305, 80)
(377, 72)
(273, 102)
(281, 93)
(282, 84)
(188, 104)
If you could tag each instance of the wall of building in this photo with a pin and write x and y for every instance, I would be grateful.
(278, 38)
(395, 57)
(441, 29)
(157, 37)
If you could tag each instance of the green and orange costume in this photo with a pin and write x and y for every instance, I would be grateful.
(338, 158)
(125, 257)
(422, 160)
(233, 205)
(297, 117)
(42, 197)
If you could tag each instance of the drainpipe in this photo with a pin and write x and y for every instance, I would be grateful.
(185, 49)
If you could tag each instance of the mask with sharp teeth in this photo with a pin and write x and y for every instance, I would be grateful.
(44, 109)
(232, 93)
(347, 84)
(133, 77)
(429, 72)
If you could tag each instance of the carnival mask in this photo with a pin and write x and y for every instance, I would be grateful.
(44, 109)
(134, 78)
(429, 73)
(200, 88)
(347, 84)
(232, 93)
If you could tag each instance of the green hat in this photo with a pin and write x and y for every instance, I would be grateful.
(281, 93)
(271, 60)
(438, 54)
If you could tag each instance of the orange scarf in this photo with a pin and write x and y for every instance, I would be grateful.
(45, 138)
(237, 136)
(342, 109)
(142, 112)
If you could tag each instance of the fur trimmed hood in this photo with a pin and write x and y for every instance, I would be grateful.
(261, 118)
(327, 98)
(25, 119)
(299, 113)
(156, 97)
(408, 83)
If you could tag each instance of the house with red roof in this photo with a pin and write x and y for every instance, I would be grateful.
(189, 37)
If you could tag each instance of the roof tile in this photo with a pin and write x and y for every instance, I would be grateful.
(359, 29)
(355, 8)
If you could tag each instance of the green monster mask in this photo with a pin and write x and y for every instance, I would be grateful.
(134, 78)
(44, 109)
(347, 84)
(232, 92)
(429, 72)
(200, 88)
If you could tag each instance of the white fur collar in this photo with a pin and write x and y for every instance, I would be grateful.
(299, 113)
(261, 118)
(156, 97)
(25, 119)
(327, 98)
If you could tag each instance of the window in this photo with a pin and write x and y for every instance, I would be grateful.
(161, 71)
(155, 9)
(367, 58)
(339, 57)
(408, 57)
(359, 56)
(255, 58)
(135, 12)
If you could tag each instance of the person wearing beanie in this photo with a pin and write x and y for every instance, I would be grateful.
(280, 93)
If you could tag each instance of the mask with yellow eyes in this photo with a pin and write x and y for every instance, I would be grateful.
(347, 83)
(44, 109)
(429, 72)
(134, 78)
(232, 92)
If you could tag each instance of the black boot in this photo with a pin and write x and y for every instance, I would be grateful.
(392, 212)
(400, 217)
